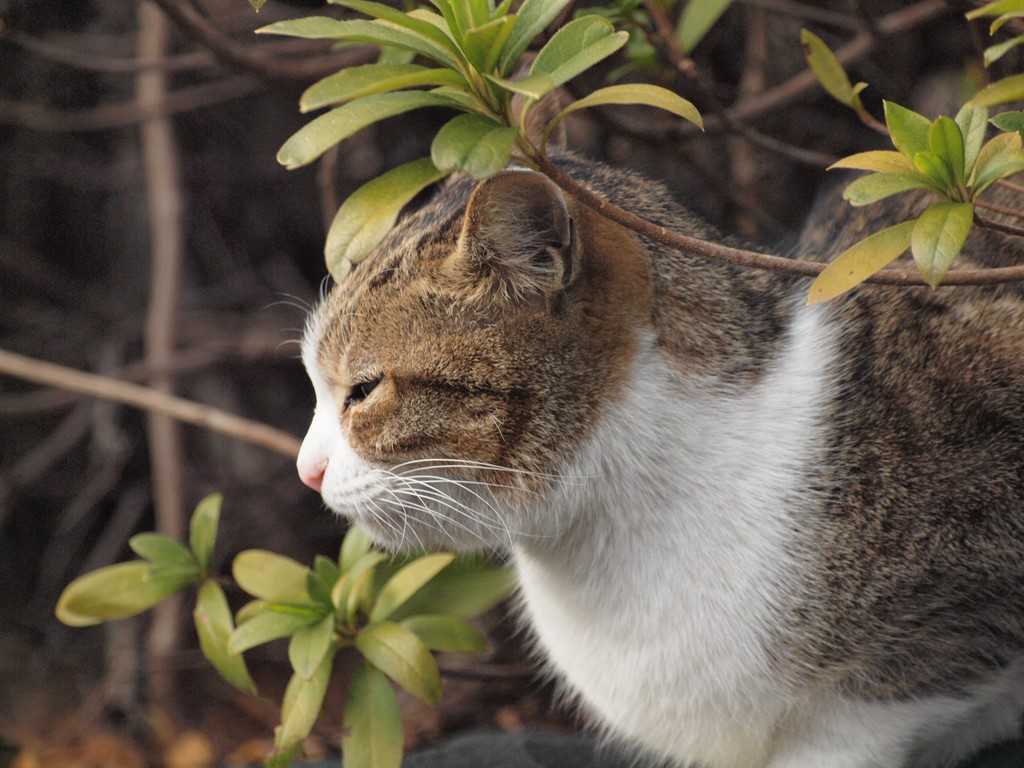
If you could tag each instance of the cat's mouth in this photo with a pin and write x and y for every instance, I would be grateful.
(424, 504)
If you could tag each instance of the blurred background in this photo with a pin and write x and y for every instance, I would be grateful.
(147, 234)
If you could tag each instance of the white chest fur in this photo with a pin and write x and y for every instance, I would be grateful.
(659, 599)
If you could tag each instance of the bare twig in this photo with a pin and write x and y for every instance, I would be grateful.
(148, 399)
(41, 117)
(805, 82)
(753, 259)
(686, 66)
(998, 226)
(276, 71)
(184, 62)
(164, 206)
(808, 12)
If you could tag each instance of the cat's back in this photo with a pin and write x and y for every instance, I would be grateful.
(924, 471)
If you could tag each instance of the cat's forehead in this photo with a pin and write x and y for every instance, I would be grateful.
(390, 278)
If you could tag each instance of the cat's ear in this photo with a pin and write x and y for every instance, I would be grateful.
(517, 236)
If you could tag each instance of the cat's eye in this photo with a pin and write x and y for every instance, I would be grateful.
(361, 391)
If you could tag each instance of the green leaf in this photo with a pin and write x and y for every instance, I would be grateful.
(1000, 92)
(935, 169)
(633, 93)
(828, 70)
(326, 571)
(1009, 122)
(373, 733)
(474, 144)
(870, 189)
(380, 33)
(995, 52)
(271, 577)
(577, 46)
(267, 626)
(999, 158)
(859, 262)
(533, 17)
(467, 588)
(312, 140)
(938, 236)
(414, 23)
(533, 86)
(907, 129)
(303, 700)
(202, 530)
(355, 82)
(403, 657)
(283, 758)
(973, 124)
(404, 584)
(343, 587)
(698, 18)
(163, 551)
(996, 9)
(946, 141)
(483, 44)
(357, 542)
(368, 214)
(214, 627)
(446, 633)
(310, 645)
(117, 591)
(998, 23)
(881, 161)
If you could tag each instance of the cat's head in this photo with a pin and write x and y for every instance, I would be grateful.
(459, 368)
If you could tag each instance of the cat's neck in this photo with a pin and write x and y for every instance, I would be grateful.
(676, 452)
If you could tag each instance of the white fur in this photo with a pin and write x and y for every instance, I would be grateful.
(657, 570)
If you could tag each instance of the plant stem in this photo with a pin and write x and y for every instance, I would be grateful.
(754, 259)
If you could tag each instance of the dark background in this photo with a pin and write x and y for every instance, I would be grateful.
(77, 250)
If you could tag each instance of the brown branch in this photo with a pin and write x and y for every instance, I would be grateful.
(753, 259)
(998, 226)
(686, 66)
(805, 82)
(807, 13)
(239, 57)
(149, 399)
(162, 180)
(63, 53)
(41, 117)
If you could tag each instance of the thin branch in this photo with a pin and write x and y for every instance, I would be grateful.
(149, 399)
(998, 226)
(239, 57)
(1005, 210)
(41, 117)
(753, 259)
(162, 179)
(808, 13)
(805, 82)
(63, 53)
(686, 66)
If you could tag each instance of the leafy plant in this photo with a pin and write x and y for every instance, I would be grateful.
(474, 49)
(949, 157)
(393, 612)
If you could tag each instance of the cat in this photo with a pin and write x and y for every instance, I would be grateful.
(747, 532)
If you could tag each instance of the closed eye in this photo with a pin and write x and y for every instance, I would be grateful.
(360, 392)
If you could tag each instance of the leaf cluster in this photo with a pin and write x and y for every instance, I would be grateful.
(948, 157)
(470, 53)
(393, 612)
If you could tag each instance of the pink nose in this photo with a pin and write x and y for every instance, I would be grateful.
(312, 474)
